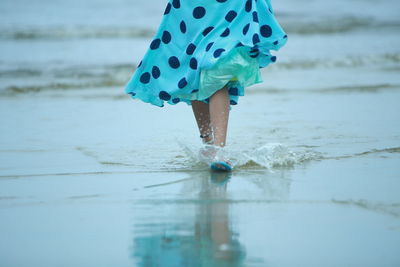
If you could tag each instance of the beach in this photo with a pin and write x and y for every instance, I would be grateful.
(90, 177)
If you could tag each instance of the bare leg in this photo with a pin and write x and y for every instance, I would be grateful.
(212, 120)
(219, 115)
(202, 115)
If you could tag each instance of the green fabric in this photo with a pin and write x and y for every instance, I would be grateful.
(235, 66)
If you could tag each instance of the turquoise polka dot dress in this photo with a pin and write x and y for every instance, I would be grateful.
(202, 46)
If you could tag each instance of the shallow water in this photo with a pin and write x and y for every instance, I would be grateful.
(89, 177)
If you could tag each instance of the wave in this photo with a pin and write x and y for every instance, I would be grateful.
(75, 32)
(331, 25)
(101, 87)
(367, 88)
(116, 75)
(111, 70)
(60, 79)
(390, 150)
(70, 71)
(293, 24)
(377, 60)
(58, 86)
(20, 73)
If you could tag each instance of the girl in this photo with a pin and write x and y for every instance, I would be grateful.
(205, 53)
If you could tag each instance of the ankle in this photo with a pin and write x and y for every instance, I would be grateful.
(219, 144)
(207, 138)
(208, 141)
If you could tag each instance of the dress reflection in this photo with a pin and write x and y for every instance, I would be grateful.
(208, 241)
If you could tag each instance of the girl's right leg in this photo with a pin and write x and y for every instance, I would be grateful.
(202, 114)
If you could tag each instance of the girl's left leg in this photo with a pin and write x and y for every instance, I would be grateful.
(212, 118)
(219, 115)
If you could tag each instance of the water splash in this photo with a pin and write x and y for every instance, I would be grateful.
(270, 155)
(273, 155)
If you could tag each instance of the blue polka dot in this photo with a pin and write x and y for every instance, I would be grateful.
(233, 102)
(256, 38)
(231, 15)
(174, 62)
(182, 83)
(156, 72)
(176, 3)
(266, 31)
(225, 33)
(254, 49)
(273, 58)
(132, 93)
(145, 77)
(208, 47)
(195, 90)
(190, 49)
(246, 28)
(248, 5)
(166, 37)
(199, 12)
(164, 95)
(207, 30)
(255, 16)
(176, 100)
(193, 63)
(155, 44)
(254, 52)
(218, 52)
(167, 9)
(182, 26)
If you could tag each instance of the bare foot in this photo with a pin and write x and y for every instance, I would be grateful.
(208, 152)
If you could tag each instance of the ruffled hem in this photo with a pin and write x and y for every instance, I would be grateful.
(237, 69)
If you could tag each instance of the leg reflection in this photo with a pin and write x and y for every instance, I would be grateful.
(197, 232)
(213, 226)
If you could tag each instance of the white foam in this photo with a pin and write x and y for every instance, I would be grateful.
(270, 155)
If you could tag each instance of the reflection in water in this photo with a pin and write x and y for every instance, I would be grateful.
(209, 241)
(213, 229)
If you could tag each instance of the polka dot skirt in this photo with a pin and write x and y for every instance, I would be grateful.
(195, 36)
